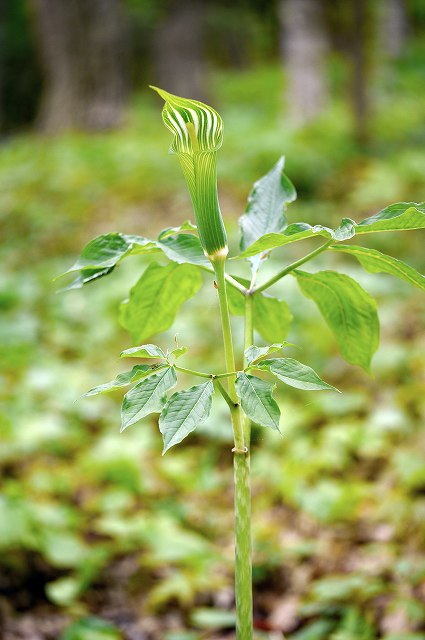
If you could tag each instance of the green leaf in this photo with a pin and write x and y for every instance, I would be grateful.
(178, 351)
(124, 379)
(265, 211)
(185, 411)
(86, 275)
(148, 396)
(252, 354)
(91, 628)
(256, 400)
(376, 262)
(184, 248)
(186, 227)
(401, 216)
(272, 317)
(207, 618)
(349, 311)
(144, 351)
(295, 374)
(156, 298)
(108, 249)
(295, 232)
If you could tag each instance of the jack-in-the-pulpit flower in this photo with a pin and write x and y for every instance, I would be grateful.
(198, 133)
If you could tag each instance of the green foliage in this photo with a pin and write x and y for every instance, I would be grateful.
(265, 211)
(272, 317)
(185, 411)
(148, 396)
(156, 297)
(294, 373)
(256, 400)
(401, 216)
(349, 311)
(376, 262)
(91, 629)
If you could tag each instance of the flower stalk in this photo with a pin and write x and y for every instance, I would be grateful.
(198, 133)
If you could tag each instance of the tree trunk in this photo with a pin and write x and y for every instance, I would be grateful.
(304, 48)
(81, 48)
(360, 69)
(178, 51)
(394, 27)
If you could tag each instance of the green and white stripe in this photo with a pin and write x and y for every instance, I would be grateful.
(198, 133)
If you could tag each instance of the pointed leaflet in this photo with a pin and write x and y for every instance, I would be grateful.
(256, 399)
(376, 262)
(185, 411)
(156, 298)
(148, 396)
(252, 354)
(265, 211)
(401, 216)
(184, 248)
(295, 374)
(124, 379)
(349, 311)
(144, 351)
(295, 232)
(101, 255)
(272, 317)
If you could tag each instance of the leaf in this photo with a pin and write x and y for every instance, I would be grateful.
(123, 379)
(156, 298)
(178, 351)
(376, 262)
(108, 249)
(265, 211)
(102, 254)
(295, 374)
(185, 411)
(293, 233)
(208, 618)
(272, 317)
(187, 226)
(91, 628)
(148, 396)
(86, 275)
(401, 216)
(144, 351)
(184, 248)
(252, 354)
(349, 311)
(256, 400)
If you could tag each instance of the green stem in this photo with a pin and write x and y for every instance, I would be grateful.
(225, 395)
(243, 567)
(191, 372)
(202, 374)
(233, 283)
(293, 266)
(248, 342)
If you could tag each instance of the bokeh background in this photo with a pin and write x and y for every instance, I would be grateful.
(102, 538)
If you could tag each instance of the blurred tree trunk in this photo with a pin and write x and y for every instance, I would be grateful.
(360, 40)
(82, 53)
(394, 27)
(178, 49)
(304, 48)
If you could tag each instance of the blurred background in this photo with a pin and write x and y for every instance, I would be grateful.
(102, 538)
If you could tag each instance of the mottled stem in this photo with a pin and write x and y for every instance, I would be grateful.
(243, 567)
